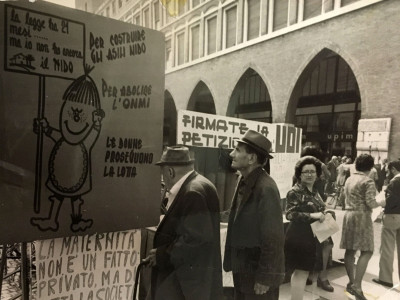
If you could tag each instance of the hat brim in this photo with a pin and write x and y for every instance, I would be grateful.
(255, 147)
(174, 163)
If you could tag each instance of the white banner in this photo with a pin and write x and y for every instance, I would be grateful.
(213, 131)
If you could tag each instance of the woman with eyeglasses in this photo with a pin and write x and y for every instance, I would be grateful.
(357, 231)
(304, 206)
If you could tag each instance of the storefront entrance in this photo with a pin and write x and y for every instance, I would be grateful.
(329, 106)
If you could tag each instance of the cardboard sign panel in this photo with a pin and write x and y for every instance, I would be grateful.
(212, 131)
(98, 266)
(81, 100)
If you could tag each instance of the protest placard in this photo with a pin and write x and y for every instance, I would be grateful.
(81, 100)
(97, 266)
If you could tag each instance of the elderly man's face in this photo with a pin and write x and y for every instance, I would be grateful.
(240, 158)
(167, 174)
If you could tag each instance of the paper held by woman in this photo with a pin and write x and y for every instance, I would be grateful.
(325, 229)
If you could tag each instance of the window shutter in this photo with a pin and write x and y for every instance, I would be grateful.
(312, 8)
(195, 32)
(281, 8)
(181, 48)
(253, 19)
(168, 62)
(212, 35)
(146, 18)
(230, 24)
(195, 3)
(347, 2)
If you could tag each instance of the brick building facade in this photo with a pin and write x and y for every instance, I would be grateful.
(320, 65)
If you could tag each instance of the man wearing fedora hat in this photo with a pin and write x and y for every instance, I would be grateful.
(186, 258)
(254, 249)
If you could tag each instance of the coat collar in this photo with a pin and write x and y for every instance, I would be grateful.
(299, 188)
(249, 182)
(179, 194)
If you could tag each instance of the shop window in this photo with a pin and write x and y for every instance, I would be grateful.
(344, 121)
(330, 75)
(306, 87)
(169, 128)
(318, 123)
(314, 82)
(194, 39)
(343, 71)
(259, 116)
(180, 47)
(312, 124)
(280, 14)
(250, 99)
(201, 99)
(325, 122)
(107, 11)
(230, 27)
(342, 148)
(327, 110)
(253, 17)
(322, 77)
(211, 35)
(351, 82)
(301, 121)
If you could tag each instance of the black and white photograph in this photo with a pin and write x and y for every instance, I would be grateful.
(199, 150)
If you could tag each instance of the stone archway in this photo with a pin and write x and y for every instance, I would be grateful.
(250, 99)
(201, 99)
(170, 115)
(326, 104)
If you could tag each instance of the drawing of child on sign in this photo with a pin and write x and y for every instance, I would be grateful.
(69, 164)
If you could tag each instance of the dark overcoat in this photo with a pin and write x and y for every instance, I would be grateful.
(188, 245)
(255, 239)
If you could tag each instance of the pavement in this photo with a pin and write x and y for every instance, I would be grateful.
(336, 275)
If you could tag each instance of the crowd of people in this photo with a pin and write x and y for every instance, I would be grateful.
(186, 256)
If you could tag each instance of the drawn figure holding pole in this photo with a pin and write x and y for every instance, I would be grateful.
(69, 164)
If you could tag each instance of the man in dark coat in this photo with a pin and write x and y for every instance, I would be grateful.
(186, 258)
(254, 250)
